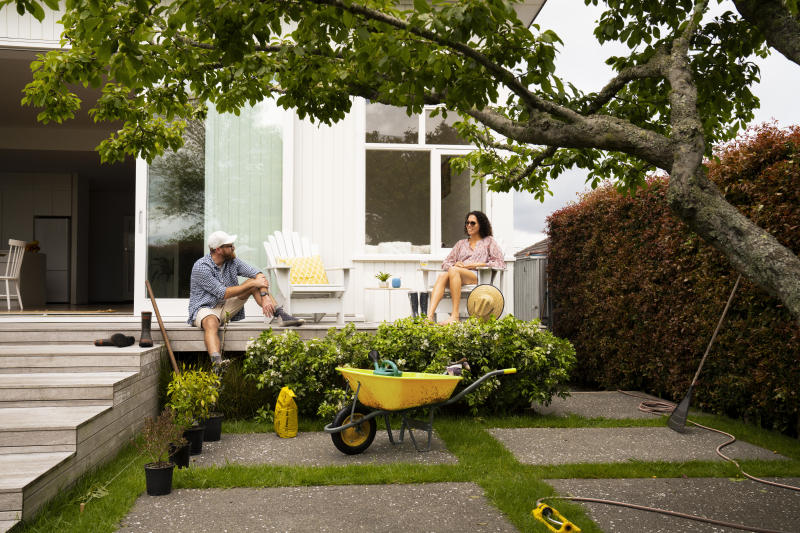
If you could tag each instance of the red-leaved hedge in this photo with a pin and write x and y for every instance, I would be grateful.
(639, 294)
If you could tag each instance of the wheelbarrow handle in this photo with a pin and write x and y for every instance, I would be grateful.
(477, 384)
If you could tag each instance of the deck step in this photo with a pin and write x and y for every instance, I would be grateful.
(28, 390)
(182, 336)
(43, 429)
(19, 472)
(32, 359)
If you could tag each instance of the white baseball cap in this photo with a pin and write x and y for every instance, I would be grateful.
(218, 238)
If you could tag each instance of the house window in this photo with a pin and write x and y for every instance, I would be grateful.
(415, 202)
(458, 197)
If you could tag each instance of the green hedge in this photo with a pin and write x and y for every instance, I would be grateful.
(639, 295)
(543, 361)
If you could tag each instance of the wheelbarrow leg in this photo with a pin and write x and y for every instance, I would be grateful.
(412, 424)
(389, 431)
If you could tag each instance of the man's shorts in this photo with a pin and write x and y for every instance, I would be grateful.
(231, 305)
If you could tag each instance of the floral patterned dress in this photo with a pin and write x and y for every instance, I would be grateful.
(486, 251)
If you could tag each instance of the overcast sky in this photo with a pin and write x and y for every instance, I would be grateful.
(582, 61)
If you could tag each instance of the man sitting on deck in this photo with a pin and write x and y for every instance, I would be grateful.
(215, 294)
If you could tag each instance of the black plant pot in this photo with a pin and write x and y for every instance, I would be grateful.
(158, 480)
(213, 425)
(180, 456)
(195, 437)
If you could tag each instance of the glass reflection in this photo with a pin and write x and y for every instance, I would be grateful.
(398, 197)
(459, 197)
(389, 124)
(439, 130)
(175, 214)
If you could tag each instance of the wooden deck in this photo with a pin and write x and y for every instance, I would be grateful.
(184, 338)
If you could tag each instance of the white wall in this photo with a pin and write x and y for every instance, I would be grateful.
(26, 31)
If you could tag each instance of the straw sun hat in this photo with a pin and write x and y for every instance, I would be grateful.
(485, 300)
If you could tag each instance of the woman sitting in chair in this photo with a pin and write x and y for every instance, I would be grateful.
(461, 266)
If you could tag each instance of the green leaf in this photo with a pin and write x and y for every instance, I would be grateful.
(421, 6)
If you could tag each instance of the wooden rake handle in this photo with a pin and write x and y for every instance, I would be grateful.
(163, 330)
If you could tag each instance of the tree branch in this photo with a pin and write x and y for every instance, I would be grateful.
(602, 132)
(773, 18)
(652, 69)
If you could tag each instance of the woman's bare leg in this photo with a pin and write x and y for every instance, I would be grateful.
(458, 277)
(437, 294)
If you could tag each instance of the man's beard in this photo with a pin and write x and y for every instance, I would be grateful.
(229, 256)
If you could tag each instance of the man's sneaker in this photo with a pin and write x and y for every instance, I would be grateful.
(285, 320)
(219, 366)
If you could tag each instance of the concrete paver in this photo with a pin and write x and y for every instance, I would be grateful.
(744, 502)
(433, 507)
(316, 449)
(606, 404)
(543, 446)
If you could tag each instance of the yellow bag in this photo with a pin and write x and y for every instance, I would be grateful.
(286, 414)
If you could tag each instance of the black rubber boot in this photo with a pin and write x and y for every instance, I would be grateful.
(414, 299)
(423, 303)
(146, 340)
(117, 339)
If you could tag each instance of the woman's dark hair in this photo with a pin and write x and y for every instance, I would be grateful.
(484, 226)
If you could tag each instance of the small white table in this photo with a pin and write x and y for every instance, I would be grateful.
(387, 304)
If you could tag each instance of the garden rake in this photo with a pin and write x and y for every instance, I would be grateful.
(677, 420)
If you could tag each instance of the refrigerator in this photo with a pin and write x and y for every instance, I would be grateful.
(53, 234)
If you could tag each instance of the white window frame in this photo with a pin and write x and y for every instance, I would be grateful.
(436, 151)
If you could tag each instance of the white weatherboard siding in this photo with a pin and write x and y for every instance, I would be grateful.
(329, 208)
(24, 31)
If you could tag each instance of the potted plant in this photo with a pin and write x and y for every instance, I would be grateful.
(191, 395)
(157, 436)
(180, 451)
(383, 278)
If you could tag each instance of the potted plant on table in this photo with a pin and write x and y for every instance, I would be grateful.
(383, 278)
(157, 436)
(192, 394)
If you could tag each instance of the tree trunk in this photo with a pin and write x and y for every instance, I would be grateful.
(752, 251)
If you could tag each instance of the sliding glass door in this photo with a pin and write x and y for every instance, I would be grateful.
(228, 176)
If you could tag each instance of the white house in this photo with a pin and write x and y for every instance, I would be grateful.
(377, 177)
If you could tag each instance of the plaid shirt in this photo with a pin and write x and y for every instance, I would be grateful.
(486, 251)
(208, 284)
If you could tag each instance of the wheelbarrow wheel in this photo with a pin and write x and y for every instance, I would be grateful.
(356, 439)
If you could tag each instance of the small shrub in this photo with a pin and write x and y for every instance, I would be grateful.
(192, 394)
(543, 361)
(157, 436)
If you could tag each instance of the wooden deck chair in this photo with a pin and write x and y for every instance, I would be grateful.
(316, 300)
(16, 251)
(486, 275)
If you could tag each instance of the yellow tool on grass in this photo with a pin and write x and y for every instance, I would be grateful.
(544, 512)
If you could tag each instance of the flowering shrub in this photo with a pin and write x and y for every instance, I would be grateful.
(639, 294)
(543, 361)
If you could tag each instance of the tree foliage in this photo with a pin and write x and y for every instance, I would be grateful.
(684, 86)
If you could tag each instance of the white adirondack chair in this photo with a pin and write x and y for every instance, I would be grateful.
(486, 275)
(314, 300)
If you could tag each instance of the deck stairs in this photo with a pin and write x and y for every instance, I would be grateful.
(65, 409)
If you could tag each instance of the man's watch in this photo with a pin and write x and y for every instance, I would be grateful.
(263, 293)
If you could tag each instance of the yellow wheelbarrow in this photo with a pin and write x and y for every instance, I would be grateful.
(389, 390)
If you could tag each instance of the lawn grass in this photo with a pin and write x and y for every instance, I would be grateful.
(512, 487)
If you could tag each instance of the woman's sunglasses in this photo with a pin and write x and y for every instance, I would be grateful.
(471, 223)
